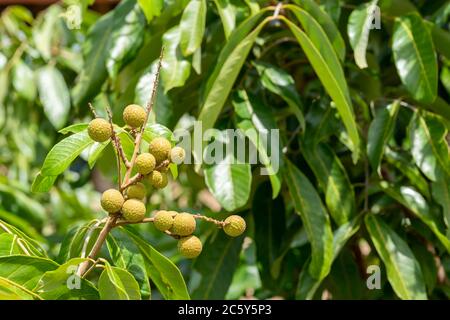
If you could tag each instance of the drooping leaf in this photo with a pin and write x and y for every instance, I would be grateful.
(30, 244)
(227, 13)
(217, 264)
(428, 145)
(23, 81)
(164, 274)
(415, 57)
(117, 284)
(327, 24)
(54, 95)
(228, 177)
(175, 68)
(325, 62)
(333, 179)
(380, 131)
(281, 83)
(63, 283)
(307, 285)
(403, 270)
(25, 270)
(192, 26)
(270, 227)
(440, 190)
(315, 218)
(358, 29)
(257, 125)
(414, 201)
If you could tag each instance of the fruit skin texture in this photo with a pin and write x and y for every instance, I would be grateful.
(99, 130)
(145, 163)
(160, 148)
(190, 247)
(136, 191)
(133, 210)
(112, 200)
(158, 179)
(134, 115)
(235, 226)
(177, 155)
(183, 224)
(163, 220)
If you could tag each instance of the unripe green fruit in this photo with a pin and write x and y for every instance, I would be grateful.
(145, 163)
(99, 130)
(183, 224)
(163, 220)
(133, 210)
(234, 226)
(134, 115)
(136, 191)
(160, 148)
(158, 179)
(112, 200)
(190, 247)
(177, 155)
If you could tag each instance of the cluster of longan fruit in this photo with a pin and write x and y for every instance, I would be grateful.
(153, 165)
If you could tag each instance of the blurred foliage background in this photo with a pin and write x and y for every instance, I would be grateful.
(51, 68)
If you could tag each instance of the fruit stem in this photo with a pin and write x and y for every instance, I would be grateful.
(116, 141)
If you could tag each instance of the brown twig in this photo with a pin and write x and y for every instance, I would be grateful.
(124, 222)
(92, 110)
(116, 141)
(135, 179)
(216, 222)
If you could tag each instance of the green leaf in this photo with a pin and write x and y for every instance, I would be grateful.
(151, 8)
(333, 179)
(315, 218)
(25, 270)
(30, 244)
(216, 264)
(74, 128)
(192, 26)
(327, 24)
(323, 59)
(428, 145)
(228, 179)
(307, 285)
(380, 132)
(63, 283)
(10, 244)
(415, 57)
(164, 274)
(117, 284)
(95, 151)
(270, 229)
(64, 152)
(414, 201)
(175, 69)
(54, 95)
(257, 118)
(403, 270)
(358, 29)
(227, 13)
(96, 51)
(10, 290)
(126, 255)
(228, 66)
(42, 183)
(281, 83)
(157, 130)
(125, 41)
(23, 81)
(440, 190)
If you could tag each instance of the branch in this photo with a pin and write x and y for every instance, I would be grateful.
(124, 222)
(219, 223)
(151, 101)
(136, 178)
(92, 110)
